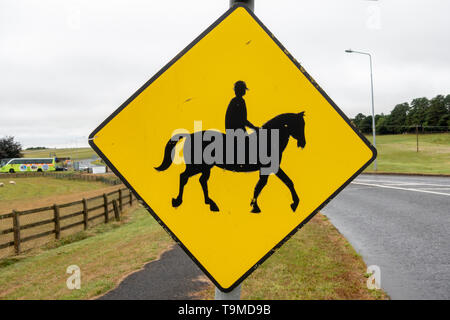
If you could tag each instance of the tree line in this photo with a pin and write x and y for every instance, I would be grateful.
(10, 148)
(426, 115)
(36, 148)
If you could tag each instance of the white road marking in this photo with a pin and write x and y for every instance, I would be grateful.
(398, 183)
(382, 181)
(398, 188)
(402, 184)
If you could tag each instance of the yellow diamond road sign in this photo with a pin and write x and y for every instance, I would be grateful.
(231, 216)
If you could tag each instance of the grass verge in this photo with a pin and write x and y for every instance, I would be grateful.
(73, 153)
(38, 192)
(38, 187)
(398, 153)
(104, 254)
(316, 263)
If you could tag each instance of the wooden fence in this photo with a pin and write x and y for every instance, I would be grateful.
(105, 178)
(61, 217)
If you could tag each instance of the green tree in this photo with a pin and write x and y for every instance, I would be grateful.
(382, 124)
(9, 148)
(358, 120)
(397, 118)
(366, 125)
(416, 115)
(437, 115)
(447, 104)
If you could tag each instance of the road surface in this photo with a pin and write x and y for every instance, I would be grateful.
(402, 225)
(87, 163)
(173, 277)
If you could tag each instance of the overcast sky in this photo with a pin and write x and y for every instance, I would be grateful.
(66, 65)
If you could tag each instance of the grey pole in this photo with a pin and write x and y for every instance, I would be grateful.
(373, 103)
(249, 3)
(373, 112)
(235, 294)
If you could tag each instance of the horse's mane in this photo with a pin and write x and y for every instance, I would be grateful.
(278, 120)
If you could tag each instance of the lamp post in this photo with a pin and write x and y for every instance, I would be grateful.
(373, 104)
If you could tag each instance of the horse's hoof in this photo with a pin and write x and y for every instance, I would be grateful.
(213, 207)
(256, 209)
(294, 206)
(176, 202)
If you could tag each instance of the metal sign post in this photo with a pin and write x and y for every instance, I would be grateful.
(234, 294)
(249, 3)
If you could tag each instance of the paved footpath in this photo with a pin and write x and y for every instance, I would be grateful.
(173, 277)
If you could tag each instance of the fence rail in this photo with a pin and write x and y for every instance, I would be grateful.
(105, 178)
(112, 203)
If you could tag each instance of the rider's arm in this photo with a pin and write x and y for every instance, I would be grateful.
(250, 125)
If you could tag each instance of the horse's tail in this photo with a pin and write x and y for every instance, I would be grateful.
(167, 161)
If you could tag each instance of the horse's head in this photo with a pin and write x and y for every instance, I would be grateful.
(290, 125)
(297, 131)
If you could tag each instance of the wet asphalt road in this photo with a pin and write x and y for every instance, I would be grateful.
(402, 225)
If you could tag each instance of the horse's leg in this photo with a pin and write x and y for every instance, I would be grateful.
(204, 183)
(184, 177)
(288, 182)
(259, 186)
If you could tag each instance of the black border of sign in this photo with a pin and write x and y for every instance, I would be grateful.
(153, 213)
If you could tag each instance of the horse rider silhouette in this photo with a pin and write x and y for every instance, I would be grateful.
(287, 125)
(236, 115)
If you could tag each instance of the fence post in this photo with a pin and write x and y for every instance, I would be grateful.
(57, 222)
(16, 228)
(105, 199)
(131, 198)
(116, 210)
(120, 200)
(85, 213)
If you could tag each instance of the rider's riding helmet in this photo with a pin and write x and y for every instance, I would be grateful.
(240, 87)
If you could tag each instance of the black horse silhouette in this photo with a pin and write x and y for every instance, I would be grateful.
(288, 125)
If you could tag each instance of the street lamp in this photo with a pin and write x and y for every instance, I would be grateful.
(373, 104)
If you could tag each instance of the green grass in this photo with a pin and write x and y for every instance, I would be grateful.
(317, 263)
(37, 187)
(398, 153)
(104, 255)
(73, 153)
(38, 192)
